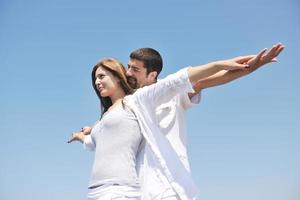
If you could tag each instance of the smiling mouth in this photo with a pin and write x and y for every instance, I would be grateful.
(132, 82)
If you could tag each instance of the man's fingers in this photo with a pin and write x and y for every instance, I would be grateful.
(244, 59)
(259, 56)
(240, 66)
(263, 57)
(274, 52)
(271, 54)
(252, 62)
(279, 49)
(261, 53)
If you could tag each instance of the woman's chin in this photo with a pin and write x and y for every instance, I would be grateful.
(103, 94)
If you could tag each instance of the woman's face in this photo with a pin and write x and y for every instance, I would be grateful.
(107, 84)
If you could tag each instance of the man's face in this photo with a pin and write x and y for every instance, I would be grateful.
(137, 74)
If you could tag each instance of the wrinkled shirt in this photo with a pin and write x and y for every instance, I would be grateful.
(159, 157)
(161, 163)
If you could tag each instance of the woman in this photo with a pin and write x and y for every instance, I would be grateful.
(114, 169)
(133, 159)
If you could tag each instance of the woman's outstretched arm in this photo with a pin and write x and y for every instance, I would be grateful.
(79, 136)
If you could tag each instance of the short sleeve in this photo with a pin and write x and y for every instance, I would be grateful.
(187, 103)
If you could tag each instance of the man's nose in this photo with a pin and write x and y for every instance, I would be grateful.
(128, 72)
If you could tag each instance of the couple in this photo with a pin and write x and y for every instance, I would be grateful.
(140, 139)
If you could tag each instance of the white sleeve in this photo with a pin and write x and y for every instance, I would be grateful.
(88, 143)
(165, 89)
(187, 102)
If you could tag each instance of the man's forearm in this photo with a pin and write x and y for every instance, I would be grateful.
(207, 70)
(200, 72)
(219, 78)
(225, 76)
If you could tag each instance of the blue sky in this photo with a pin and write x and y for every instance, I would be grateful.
(243, 138)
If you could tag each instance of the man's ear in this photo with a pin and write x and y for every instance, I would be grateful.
(153, 75)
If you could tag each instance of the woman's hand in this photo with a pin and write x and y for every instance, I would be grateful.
(86, 130)
(79, 136)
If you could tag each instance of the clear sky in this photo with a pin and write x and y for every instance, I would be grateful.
(244, 137)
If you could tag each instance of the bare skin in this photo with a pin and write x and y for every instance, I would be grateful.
(225, 76)
(108, 86)
(204, 76)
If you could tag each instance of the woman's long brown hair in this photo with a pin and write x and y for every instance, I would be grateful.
(118, 70)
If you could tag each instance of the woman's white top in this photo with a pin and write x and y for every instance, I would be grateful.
(117, 137)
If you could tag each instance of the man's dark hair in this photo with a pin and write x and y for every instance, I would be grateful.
(151, 58)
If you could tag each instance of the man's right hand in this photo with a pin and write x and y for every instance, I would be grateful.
(265, 57)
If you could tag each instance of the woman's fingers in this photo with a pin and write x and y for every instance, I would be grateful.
(73, 137)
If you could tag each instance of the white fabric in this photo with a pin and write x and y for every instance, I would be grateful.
(160, 161)
(117, 192)
(117, 136)
(163, 163)
(88, 143)
(171, 119)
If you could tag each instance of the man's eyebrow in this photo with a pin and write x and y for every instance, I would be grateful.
(134, 67)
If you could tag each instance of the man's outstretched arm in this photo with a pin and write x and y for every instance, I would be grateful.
(224, 76)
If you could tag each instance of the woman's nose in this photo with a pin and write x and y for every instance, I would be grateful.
(97, 81)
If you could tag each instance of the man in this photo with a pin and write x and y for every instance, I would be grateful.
(144, 67)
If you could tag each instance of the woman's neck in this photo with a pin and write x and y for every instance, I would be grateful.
(117, 97)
